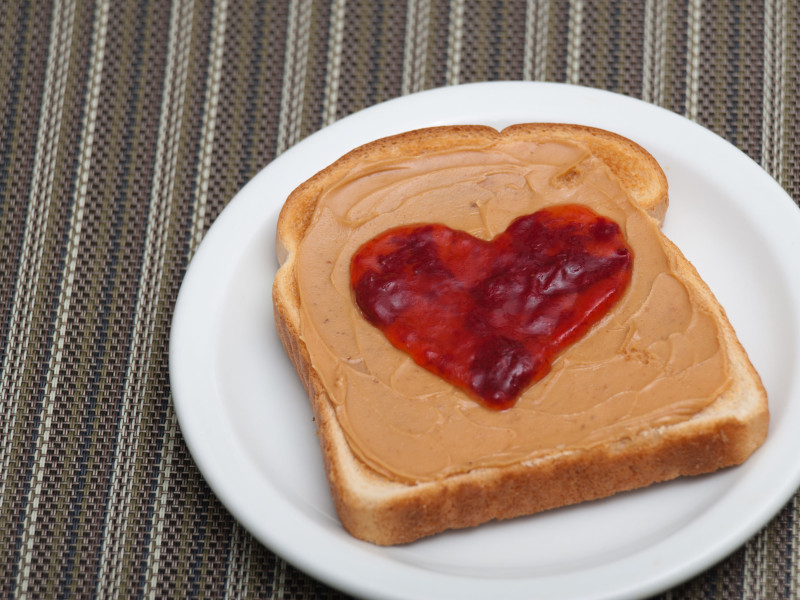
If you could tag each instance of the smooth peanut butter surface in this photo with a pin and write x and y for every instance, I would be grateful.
(655, 358)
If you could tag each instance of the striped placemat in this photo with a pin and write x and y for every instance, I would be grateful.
(128, 126)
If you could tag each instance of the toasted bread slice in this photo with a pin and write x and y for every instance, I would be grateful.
(378, 507)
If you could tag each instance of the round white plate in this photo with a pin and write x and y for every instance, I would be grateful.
(249, 427)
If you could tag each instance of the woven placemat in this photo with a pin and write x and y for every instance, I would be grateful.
(128, 126)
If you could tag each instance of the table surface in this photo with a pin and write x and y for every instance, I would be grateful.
(128, 126)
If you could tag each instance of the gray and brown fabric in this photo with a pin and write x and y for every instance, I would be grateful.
(128, 126)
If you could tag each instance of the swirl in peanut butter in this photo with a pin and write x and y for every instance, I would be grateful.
(656, 358)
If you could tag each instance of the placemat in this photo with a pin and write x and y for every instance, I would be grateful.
(128, 126)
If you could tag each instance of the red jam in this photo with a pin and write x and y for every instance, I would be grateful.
(490, 316)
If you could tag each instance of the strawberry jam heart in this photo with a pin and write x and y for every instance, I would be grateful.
(490, 316)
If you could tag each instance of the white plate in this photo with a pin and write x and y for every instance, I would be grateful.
(248, 425)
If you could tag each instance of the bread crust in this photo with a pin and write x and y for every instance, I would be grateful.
(374, 508)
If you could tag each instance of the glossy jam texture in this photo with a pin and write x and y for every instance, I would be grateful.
(490, 316)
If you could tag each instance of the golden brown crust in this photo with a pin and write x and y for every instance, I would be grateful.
(636, 169)
(388, 512)
(466, 501)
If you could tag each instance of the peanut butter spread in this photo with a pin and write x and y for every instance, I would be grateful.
(655, 358)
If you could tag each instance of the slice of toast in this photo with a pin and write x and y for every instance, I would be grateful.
(386, 505)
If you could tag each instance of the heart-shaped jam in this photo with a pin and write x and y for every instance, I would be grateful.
(490, 316)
